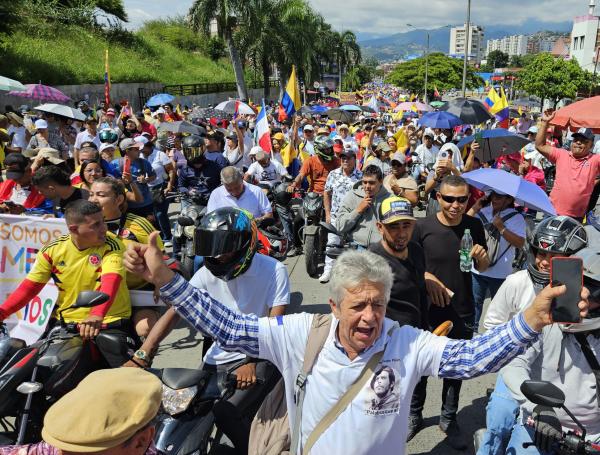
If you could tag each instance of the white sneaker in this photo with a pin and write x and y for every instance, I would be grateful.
(168, 244)
(325, 277)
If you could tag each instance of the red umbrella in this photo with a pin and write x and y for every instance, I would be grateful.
(42, 93)
(582, 114)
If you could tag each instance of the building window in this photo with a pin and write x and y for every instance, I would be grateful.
(581, 41)
(575, 42)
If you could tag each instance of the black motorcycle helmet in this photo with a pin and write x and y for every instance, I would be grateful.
(224, 231)
(281, 195)
(109, 136)
(324, 148)
(558, 234)
(193, 148)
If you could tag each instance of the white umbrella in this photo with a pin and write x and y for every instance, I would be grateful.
(10, 85)
(235, 107)
(62, 110)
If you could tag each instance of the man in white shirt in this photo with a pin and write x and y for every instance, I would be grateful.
(234, 192)
(90, 134)
(344, 135)
(17, 132)
(265, 170)
(426, 154)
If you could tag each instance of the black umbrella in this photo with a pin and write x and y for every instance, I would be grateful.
(180, 127)
(470, 111)
(495, 143)
(209, 112)
(305, 110)
(339, 115)
(368, 109)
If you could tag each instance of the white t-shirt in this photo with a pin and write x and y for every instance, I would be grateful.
(253, 199)
(84, 136)
(427, 156)
(263, 286)
(20, 136)
(158, 159)
(516, 225)
(270, 175)
(369, 425)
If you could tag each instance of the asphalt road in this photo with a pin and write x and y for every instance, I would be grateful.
(181, 350)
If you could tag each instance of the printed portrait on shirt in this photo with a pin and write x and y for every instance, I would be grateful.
(382, 396)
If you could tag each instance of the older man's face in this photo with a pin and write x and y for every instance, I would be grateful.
(361, 313)
(235, 189)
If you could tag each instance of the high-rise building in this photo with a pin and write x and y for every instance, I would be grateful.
(476, 50)
(511, 45)
(585, 38)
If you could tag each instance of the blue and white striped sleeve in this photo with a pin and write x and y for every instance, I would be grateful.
(233, 331)
(487, 353)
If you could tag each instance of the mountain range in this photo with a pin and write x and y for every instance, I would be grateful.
(414, 42)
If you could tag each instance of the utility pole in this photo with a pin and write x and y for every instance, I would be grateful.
(426, 68)
(467, 39)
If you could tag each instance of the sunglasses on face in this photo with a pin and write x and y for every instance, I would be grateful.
(453, 199)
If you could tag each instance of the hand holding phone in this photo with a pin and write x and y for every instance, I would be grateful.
(567, 271)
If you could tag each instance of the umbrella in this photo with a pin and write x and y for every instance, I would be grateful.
(351, 108)
(209, 112)
(161, 98)
(318, 109)
(368, 109)
(526, 193)
(496, 143)
(440, 119)
(408, 106)
(181, 127)
(437, 104)
(305, 110)
(340, 115)
(7, 85)
(582, 114)
(42, 93)
(61, 110)
(470, 111)
(235, 107)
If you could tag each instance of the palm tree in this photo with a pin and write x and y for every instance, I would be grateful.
(226, 13)
(348, 51)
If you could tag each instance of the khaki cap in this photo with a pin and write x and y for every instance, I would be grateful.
(106, 409)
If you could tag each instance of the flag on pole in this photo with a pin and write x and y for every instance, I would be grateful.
(373, 103)
(491, 99)
(263, 135)
(436, 93)
(501, 110)
(106, 80)
(291, 102)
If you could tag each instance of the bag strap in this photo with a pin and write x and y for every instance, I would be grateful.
(317, 335)
(345, 400)
(591, 360)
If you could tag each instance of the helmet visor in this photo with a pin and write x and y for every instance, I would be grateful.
(215, 243)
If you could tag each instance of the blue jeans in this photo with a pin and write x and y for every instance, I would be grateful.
(481, 286)
(161, 213)
(521, 434)
(501, 417)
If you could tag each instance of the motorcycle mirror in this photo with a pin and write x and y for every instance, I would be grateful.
(414, 154)
(543, 393)
(184, 221)
(88, 299)
(29, 387)
(328, 227)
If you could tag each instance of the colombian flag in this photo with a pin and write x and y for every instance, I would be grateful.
(106, 80)
(291, 98)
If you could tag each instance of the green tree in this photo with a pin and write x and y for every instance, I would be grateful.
(520, 61)
(226, 13)
(497, 59)
(445, 73)
(352, 79)
(553, 78)
(348, 51)
(215, 48)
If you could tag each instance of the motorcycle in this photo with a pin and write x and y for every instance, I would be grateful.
(187, 222)
(312, 235)
(335, 251)
(47, 370)
(272, 240)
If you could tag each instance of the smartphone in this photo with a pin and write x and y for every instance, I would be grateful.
(478, 137)
(567, 271)
(444, 155)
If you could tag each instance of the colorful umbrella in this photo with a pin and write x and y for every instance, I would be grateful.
(160, 99)
(470, 111)
(582, 114)
(62, 110)
(409, 106)
(41, 93)
(526, 193)
(440, 119)
(351, 108)
(235, 107)
(7, 85)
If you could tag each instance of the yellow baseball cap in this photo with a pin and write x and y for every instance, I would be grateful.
(106, 409)
(394, 209)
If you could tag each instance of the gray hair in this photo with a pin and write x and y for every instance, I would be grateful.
(354, 267)
(260, 155)
(231, 174)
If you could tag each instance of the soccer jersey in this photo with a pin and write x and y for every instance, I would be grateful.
(133, 228)
(75, 270)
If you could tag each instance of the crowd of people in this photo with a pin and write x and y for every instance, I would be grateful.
(112, 178)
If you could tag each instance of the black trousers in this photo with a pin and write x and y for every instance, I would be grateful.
(462, 330)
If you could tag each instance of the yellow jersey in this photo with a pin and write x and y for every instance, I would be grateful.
(75, 270)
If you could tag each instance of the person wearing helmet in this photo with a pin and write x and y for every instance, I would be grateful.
(199, 174)
(557, 236)
(245, 282)
(317, 167)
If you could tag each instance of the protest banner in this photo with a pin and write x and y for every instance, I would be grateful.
(347, 98)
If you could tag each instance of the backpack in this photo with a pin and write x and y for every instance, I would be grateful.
(492, 237)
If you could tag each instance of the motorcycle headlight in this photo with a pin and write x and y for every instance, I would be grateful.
(176, 401)
(189, 231)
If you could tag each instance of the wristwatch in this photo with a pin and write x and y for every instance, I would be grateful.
(140, 354)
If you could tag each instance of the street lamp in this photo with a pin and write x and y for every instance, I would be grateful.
(467, 38)
(426, 63)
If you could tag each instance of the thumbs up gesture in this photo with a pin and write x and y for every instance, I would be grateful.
(147, 262)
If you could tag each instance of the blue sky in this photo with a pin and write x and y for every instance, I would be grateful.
(385, 17)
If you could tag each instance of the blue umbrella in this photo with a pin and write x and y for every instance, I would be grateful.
(160, 99)
(351, 108)
(526, 193)
(440, 119)
(318, 109)
(495, 143)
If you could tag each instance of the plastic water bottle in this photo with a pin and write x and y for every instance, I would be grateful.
(466, 245)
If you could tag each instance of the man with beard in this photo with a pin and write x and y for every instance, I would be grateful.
(408, 300)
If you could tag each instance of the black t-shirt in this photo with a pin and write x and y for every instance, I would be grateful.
(408, 300)
(61, 204)
(441, 245)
